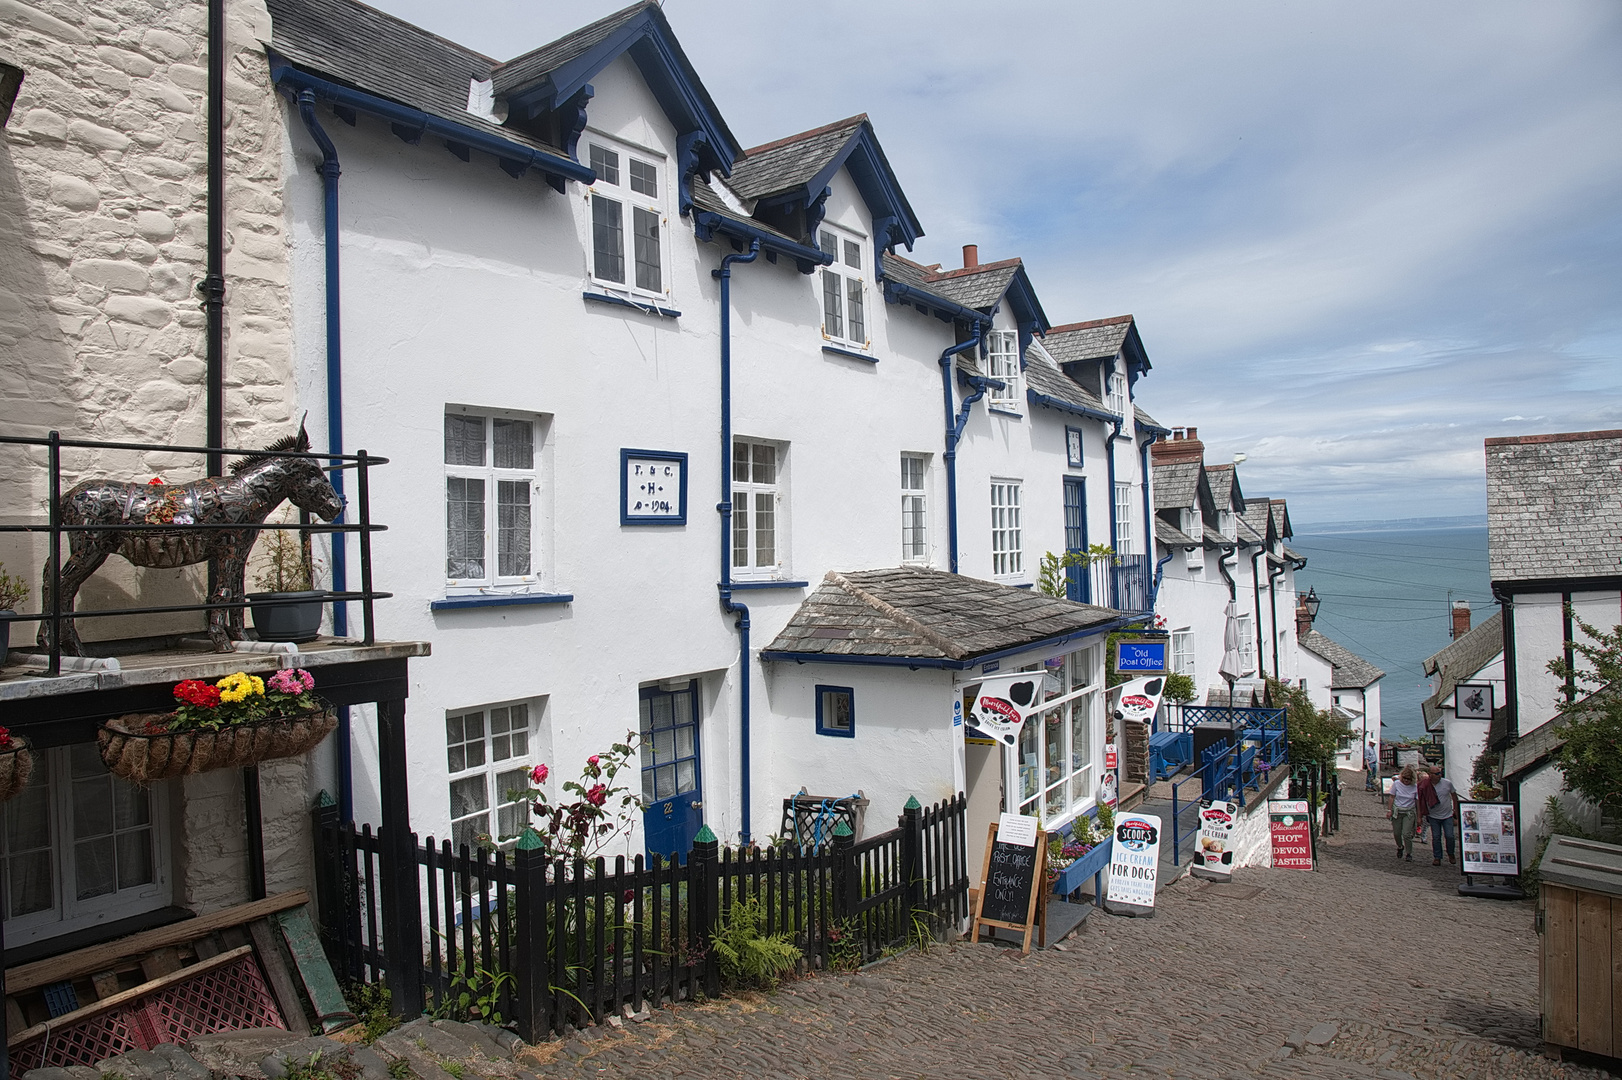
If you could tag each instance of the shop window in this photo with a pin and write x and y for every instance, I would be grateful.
(81, 846)
(1057, 771)
(836, 711)
(488, 762)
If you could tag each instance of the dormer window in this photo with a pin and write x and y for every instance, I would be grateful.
(1116, 387)
(844, 289)
(1002, 363)
(627, 220)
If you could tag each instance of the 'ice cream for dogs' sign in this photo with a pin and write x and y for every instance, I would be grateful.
(1139, 698)
(1134, 861)
(1004, 703)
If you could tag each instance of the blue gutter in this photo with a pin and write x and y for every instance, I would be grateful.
(724, 274)
(946, 663)
(335, 420)
(1148, 518)
(412, 124)
(706, 223)
(896, 292)
(1114, 520)
(1070, 407)
(955, 422)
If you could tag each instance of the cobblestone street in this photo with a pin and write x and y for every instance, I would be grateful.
(1371, 967)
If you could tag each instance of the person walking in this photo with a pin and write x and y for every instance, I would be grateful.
(1404, 811)
(1371, 764)
(1440, 815)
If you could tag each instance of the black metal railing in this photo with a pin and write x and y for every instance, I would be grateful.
(554, 943)
(56, 529)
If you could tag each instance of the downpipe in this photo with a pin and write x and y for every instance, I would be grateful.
(724, 508)
(1272, 608)
(1148, 519)
(955, 423)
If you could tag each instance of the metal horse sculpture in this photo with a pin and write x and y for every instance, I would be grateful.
(256, 486)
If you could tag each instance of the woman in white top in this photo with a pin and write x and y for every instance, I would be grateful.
(1404, 811)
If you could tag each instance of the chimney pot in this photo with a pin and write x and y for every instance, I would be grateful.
(971, 256)
(1193, 433)
(1303, 620)
(1461, 618)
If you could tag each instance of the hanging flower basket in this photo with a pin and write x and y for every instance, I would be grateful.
(228, 725)
(16, 764)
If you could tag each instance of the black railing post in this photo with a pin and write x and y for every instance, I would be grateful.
(54, 560)
(1312, 808)
(534, 992)
(402, 902)
(912, 855)
(364, 491)
(328, 873)
(706, 913)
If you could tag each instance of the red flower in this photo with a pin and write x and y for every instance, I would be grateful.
(630, 894)
(156, 481)
(597, 794)
(5, 736)
(592, 760)
(195, 692)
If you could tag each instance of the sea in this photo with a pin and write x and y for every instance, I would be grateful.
(1387, 589)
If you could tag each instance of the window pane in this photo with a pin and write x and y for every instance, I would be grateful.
(607, 239)
(765, 529)
(606, 164)
(92, 809)
(912, 473)
(858, 321)
(512, 527)
(94, 868)
(664, 746)
(28, 817)
(666, 781)
(647, 717)
(134, 858)
(765, 464)
(646, 224)
(740, 528)
(853, 255)
(514, 812)
(132, 806)
(465, 833)
(663, 715)
(464, 439)
(684, 741)
(468, 796)
(647, 786)
(1029, 762)
(829, 244)
(29, 883)
(1080, 732)
(644, 177)
(520, 730)
(833, 319)
(515, 444)
(913, 535)
(740, 462)
(686, 777)
(836, 710)
(464, 527)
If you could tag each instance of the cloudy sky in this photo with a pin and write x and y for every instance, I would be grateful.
(1358, 238)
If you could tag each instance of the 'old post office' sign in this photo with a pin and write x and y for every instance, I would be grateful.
(653, 487)
(1141, 657)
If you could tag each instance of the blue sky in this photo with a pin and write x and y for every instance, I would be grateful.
(1358, 238)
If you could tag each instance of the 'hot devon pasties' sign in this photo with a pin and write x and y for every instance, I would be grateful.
(1134, 860)
(1291, 827)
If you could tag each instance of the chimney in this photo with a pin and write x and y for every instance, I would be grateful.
(1193, 433)
(1303, 619)
(1461, 618)
(971, 256)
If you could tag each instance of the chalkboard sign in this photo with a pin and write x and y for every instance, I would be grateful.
(1009, 894)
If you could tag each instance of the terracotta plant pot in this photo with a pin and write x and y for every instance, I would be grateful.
(140, 747)
(16, 766)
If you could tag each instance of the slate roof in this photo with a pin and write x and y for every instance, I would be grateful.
(706, 198)
(1171, 535)
(1145, 420)
(1223, 479)
(1176, 485)
(977, 287)
(916, 275)
(1257, 515)
(1554, 506)
(1092, 340)
(912, 612)
(534, 65)
(1044, 378)
(1213, 538)
(1462, 658)
(1247, 534)
(380, 54)
(1349, 671)
(788, 163)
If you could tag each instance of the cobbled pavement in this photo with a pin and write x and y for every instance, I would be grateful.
(1369, 967)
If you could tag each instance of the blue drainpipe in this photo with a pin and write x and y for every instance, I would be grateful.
(724, 274)
(954, 432)
(1148, 521)
(1114, 523)
(335, 423)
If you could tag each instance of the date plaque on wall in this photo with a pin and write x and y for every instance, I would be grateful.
(653, 487)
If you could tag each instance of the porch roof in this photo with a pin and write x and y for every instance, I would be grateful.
(916, 617)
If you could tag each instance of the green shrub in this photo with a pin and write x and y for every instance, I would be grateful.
(748, 957)
(1179, 688)
(370, 1003)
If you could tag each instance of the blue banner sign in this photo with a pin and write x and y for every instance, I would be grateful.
(1142, 657)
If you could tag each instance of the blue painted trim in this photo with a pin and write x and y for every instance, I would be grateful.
(852, 353)
(1079, 461)
(1074, 410)
(953, 665)
(1145, 479)
(628, 518)
(1004, 412)
(899, 292)
(761, 586)
(1027, 585)
(879, 188)
(707, 223)
(648, 308)
(516, 158)
(822, 729)
(451, 603)
(954, 430)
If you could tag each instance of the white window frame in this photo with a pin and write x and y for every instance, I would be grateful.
(53, 776)
(491, 769)
(1043, 790)
(1123, 518)
(1002, 363)
(746, 507)
(1116, 393)
(1247, 643)
(1007, 528)
(915, 509)
(493, 478)
(846, 247)
(622, 186)
(1182, 652)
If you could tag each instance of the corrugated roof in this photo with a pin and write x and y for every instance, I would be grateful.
(1349, 670)
(912, 612)
(1554, 506)
(1096, 339)
(788, 163)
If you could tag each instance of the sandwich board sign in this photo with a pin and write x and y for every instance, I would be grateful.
(1213, 855)
(1014, 877)
(1134, 865)
(1291, 827)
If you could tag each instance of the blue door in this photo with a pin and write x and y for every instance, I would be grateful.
(1077, 578)
(672, 782)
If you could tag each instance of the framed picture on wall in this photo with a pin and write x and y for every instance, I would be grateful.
(1473, 701)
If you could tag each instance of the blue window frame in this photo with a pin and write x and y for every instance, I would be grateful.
(653, 487)
(1077, 579)
(836, 711)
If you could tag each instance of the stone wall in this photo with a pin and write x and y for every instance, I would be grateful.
(212, 866)
(102, 244)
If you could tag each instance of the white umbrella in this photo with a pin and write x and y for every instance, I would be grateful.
(1232, 666)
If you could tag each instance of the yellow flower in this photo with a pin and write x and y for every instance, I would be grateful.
(239, 686)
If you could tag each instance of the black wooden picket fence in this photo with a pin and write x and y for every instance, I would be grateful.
(554, 943)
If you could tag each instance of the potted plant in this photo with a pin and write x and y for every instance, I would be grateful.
(16, 764)
(13, 591)
(289, 608)
(238, 721)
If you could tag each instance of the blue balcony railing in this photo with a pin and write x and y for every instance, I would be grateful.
(1121, 582)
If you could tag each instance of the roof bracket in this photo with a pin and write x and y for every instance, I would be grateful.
(688, 144)
(512, 168)
(815, 211)
(411, 136)
(574, 114)
(344, 113)
(461, 150)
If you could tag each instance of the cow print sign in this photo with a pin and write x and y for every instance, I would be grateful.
(1004, 704)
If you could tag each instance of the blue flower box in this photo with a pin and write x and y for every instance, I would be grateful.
(1092, 864)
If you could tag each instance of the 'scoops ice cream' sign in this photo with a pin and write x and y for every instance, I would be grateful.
(1134, 861)
(1004, 703)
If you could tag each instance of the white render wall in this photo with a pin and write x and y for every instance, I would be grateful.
(1197, 599)
(1540, 637)
(1463, 740)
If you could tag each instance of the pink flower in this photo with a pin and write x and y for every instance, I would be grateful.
(292, 681)
(592, 760)
(596, 794)
(538, 774)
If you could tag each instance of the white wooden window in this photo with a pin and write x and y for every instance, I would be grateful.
(80, 846)
(1116, 387)
(1007, 536)
(757, 469)
(487, 761)
(1002, 363)
(628, 220)
(1247, 645)
(843, 286)
(1182, 652)
(914, 508)
(1056, 768)
(490, 497)
(1123, 519)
